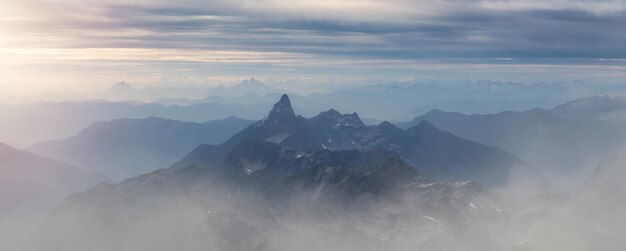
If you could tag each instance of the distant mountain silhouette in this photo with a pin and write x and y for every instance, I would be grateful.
(121, 87)
(30, 187)
(247, 86)
(571, 139)
(66, 119)
(124, 148)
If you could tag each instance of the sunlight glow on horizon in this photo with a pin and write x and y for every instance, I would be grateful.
(86, 45)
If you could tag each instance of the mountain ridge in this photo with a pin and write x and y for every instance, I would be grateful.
(123, 148)
(438, 154)
(571, 138)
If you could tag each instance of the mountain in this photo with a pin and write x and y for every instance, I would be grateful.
(122, 91)
(30, 187)
(124, 148)
(66, 119)
(591, 106)
(247, 86)
(121, 87)
(262, 196)
(606, 111)
(439, 155)
(605, 191)
(401, 101)
(246, 202)
(564, 147)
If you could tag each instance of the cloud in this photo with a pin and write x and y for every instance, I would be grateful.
(451, 31)
(379, 29)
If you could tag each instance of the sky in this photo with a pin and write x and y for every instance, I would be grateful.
(91, 44)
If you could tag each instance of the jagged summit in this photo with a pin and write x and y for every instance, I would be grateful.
(251, 82)
(455, 159)
(283, 106)
(333, 118)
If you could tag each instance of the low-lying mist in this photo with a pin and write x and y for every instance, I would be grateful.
(309, 201)
(533, 180)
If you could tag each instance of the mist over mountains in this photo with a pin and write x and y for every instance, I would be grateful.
(261, 196)
(566, 142)
(310, 125)
(249, 99)
(330, 181)
(31, 187)
(124, 148)
(442, 181)
(438, 154)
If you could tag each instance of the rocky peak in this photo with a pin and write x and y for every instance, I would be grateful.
(335, 119)
(282, 108)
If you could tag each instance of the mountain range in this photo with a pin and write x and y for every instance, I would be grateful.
(397, 101)
(439, 155)
(571, 138)
(262, 196)
(66, 119)
(330, 182)
(125, 148)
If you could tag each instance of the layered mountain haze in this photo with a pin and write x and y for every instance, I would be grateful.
(395, 101)
(124, 148)
(328, 182)
(30, 187)
(247, 86)
(66, 119)
(566, 143)
(311, 125)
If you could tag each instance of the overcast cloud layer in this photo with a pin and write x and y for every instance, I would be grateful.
(58, 43)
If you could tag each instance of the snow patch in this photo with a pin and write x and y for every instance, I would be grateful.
(429, 218)
(250, 167)
(278, 138)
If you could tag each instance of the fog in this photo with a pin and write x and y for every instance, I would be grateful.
(448, 125)
(148, 214)
(564, 190)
